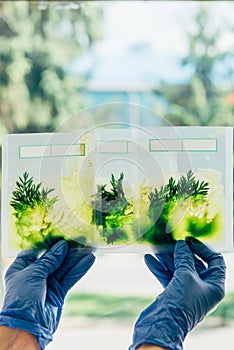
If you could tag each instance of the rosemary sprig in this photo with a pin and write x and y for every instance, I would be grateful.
(28, 194)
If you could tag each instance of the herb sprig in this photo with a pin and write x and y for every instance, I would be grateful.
(164, 200)
(111, 210)
(27, 194)
(187, 186)
(31, 204)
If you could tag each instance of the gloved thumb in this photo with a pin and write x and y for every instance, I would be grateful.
(77, 272)
(52, 259)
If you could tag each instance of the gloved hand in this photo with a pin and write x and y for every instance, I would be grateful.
(191, 291)
(36, 288)
(163, 266)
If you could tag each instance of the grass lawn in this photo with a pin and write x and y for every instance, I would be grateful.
(104, 306)
(116, 307)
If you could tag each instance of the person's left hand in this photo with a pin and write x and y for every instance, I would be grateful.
(36, 288)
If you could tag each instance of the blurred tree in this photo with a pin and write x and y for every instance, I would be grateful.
(37, 40)
(202, 100)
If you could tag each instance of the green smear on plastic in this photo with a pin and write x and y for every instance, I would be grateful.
(185, 208)
(109, 217)
(112, 211)
(34, 220)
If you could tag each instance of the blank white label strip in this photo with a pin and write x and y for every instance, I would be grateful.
(112, 147)
(200, 145)
(52, 151)
(165, 145)
(68, 150)
(34, 151)
(168, 145)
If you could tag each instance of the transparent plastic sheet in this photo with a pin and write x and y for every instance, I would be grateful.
(136, 159)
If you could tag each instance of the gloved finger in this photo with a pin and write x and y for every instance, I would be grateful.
(77, 272)
(22, 260)
(165, 254)
(168, 262)
(74, 255)
(51, 260)
(210, 256)
(200, 266)
(214, 274)
(183, 257)
(158, 270)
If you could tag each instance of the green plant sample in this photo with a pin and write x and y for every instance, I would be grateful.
(179, 209)
(31, 204)
(112, 211)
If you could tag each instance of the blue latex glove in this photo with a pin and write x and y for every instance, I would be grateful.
(188, 296)
(163, 267)
(36, 288)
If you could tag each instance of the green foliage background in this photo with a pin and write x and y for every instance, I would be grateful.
(93, 306)
(104, 306)
(202, 100)
(38, 39)
(36, 44)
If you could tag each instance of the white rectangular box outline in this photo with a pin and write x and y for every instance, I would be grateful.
(34, 151)
(68, 150)
(200, 145)
(165, 145)
(118, 146)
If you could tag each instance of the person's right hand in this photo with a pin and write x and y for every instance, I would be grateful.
(192, 289)
(165, 258)
(36, 288)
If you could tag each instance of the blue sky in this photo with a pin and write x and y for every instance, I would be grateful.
(162, 24)
(163, 27)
